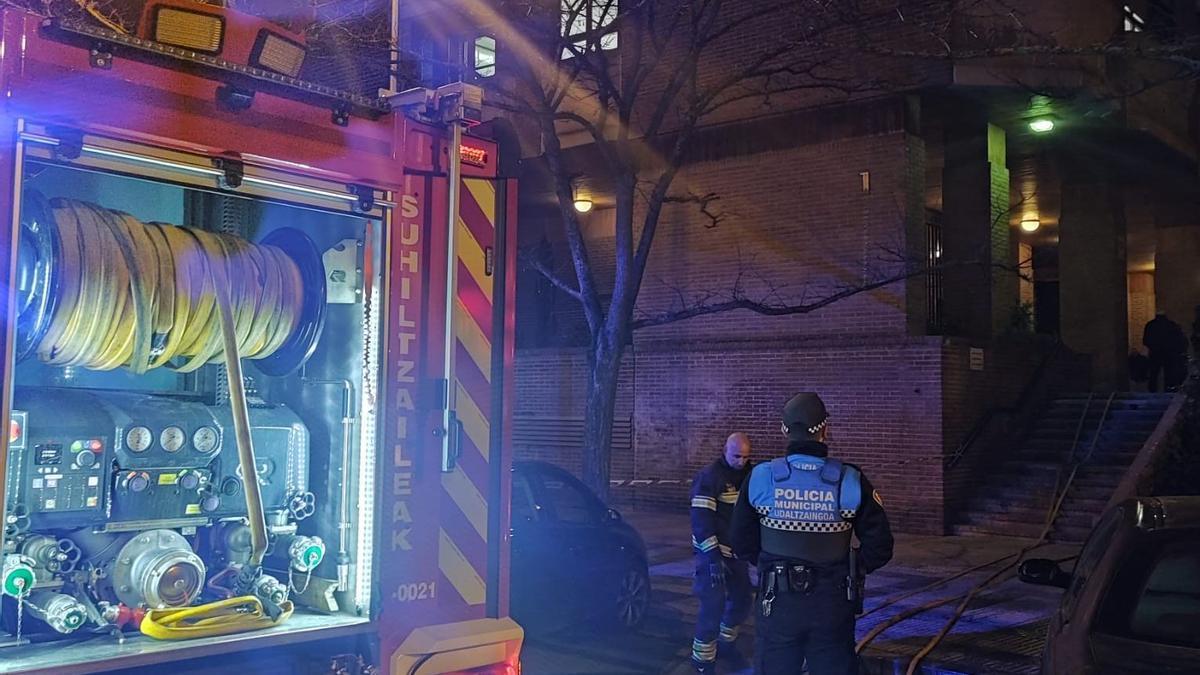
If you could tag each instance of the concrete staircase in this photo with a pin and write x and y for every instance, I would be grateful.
(1016, 495)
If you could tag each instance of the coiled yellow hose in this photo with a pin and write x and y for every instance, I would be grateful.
(141, 295)
(235, 615)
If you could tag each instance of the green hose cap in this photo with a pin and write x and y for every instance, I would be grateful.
(313, 555)
(18, 581)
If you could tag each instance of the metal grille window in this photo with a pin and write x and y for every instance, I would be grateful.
(934, 289)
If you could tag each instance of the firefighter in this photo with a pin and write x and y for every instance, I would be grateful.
(722, 582)
(794, 517)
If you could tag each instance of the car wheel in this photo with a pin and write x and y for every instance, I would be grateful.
(633, 597)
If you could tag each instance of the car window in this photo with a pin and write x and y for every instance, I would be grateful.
(524, 505)
(1093, 551)
(569, 500)
(1155, 597)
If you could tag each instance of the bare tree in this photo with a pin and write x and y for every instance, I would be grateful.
(639, 103)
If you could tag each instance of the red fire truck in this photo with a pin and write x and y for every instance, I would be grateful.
(256, 359)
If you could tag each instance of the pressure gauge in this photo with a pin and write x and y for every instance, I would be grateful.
(139, 439)
(172, 439)
(205, 440)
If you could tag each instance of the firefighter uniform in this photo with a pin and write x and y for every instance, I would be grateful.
(722, 583)
(794, 517)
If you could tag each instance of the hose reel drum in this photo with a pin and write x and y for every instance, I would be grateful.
(157, 282)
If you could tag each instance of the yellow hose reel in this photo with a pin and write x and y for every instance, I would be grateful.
(100, 289)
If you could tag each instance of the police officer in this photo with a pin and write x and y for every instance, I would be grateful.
(722, 583)
(795, 517)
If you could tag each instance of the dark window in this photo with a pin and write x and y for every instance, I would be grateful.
(1045, 290)
(570, 501)
(1155, 596)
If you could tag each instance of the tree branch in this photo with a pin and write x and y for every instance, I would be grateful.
(703, 201)
(550, 275)
(737, 299)
(655, 201)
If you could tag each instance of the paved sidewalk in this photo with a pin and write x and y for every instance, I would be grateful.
(1002, 631)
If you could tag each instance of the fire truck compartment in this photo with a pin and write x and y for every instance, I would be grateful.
(125, 488)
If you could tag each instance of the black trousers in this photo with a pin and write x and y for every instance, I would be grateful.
(817, 626)
(723, 606)
(1158, 363)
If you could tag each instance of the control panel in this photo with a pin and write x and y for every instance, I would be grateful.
(95, 457)
(60, 476)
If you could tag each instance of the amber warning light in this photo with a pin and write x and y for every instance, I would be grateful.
(473, 156)
(222, 32)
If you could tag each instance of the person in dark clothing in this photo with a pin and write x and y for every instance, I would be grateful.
(794, 518)
(722, 582)
(1166, 344)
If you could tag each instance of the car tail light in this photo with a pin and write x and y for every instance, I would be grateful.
(188, 28)
(277, 53)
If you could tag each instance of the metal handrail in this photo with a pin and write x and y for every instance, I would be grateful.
(986, 418)
(1087, 406)
(1061, 495)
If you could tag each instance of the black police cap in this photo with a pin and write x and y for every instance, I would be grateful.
(804, 414)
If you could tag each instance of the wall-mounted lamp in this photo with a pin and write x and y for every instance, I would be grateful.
(1031, 224)
(582, 204)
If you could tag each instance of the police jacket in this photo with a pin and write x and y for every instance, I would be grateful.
(714, 492)
(804, 507)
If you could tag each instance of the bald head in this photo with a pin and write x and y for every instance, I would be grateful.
(737, 450)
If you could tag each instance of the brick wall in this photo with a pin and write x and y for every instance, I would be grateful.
(553, 383)
(820, 73)
(1141, 307)
(800, 222)
(801, 230)
(898, 409)
(883, 397)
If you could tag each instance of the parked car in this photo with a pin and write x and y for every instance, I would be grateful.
(573, 558)
(1132, 603)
